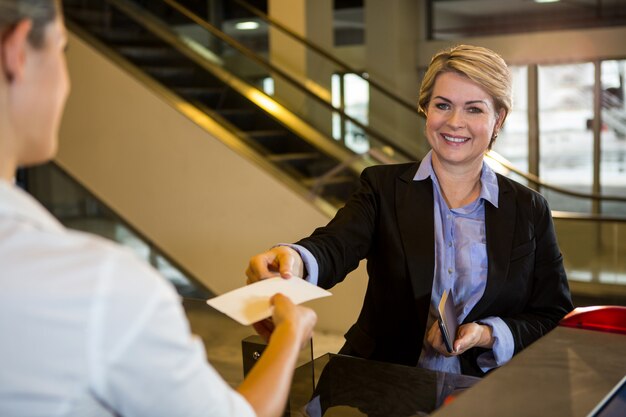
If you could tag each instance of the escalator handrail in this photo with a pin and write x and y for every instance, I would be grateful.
(407, 154)
(530, 177)
(539, 182)
(412, 107)
(498, 158)
(587, 217)
(265, 63)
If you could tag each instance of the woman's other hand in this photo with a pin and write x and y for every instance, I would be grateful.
(468, 335)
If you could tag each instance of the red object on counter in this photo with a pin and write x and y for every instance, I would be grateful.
(602, 318)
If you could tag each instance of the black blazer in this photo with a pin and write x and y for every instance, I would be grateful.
(389, 221)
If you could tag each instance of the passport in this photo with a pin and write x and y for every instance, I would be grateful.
(448, 323)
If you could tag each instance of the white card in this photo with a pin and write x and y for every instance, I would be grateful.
(251, 303)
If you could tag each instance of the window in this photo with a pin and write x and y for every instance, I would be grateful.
(613, 135)
(565, 133)
(350, 93)
(512, 142)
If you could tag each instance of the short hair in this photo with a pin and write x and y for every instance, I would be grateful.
(41, 12)
(481, 65)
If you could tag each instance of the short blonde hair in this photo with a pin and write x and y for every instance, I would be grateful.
(481, 65)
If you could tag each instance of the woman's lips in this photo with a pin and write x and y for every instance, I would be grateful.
(455, 139)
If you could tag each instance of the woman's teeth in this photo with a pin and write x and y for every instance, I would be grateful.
(453, 139)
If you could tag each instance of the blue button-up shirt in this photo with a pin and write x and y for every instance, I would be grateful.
(460, 265)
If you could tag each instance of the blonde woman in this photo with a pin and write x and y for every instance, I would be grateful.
(446, 223)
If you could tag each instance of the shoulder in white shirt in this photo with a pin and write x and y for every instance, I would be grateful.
(89, 329)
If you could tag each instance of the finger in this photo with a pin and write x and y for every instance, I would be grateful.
(280, 298)
(254, 271)
(440, 345)
(436, 340)
(286, 264)
(460, 343)
(253, 276)
(250, 276)
(430, 336)
(264, 328)
(258, 267)
(468, 336)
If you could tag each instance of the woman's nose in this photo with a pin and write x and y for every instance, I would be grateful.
(456, 119)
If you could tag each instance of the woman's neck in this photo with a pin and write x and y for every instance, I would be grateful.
(7, 167)
(8, 158)
(460, 185)
(8, 151)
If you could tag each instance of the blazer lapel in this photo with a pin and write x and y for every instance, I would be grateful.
(500, 228)
(414, 211)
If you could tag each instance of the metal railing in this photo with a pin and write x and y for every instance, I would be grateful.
(387, 149)
(292, 80)
(330, 57)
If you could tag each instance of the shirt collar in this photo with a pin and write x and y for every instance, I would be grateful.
(16, 203)
(489, 182)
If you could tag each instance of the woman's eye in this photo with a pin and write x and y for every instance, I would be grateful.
(476, 110)
(442, 106)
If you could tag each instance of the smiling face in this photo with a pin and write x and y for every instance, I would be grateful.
(461, 119)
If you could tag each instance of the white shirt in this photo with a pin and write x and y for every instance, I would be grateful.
(87, 329)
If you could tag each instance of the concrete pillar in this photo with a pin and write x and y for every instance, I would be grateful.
(312, 19)
(394, 31)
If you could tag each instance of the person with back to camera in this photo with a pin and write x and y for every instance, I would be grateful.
(448, 222)
(87, 328)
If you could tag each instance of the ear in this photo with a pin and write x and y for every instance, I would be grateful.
(499, 121)
(14, 48)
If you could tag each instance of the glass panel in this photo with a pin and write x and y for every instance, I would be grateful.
(305, 93)
(565, 135)
(77, 209)
(512, 143)
(593, 251)
(337, 99)
(356, 102)
(351, 93)
(613, 135)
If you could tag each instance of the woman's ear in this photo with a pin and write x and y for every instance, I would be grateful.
(14, 48)
(500, 120)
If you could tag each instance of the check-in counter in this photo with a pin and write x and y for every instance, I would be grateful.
(564, 374)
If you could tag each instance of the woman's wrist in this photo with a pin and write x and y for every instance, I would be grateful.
(290, 332)
(486, 336)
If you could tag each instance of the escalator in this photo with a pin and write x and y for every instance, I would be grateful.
(146, 37)
(151, 37)
(221, 77)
